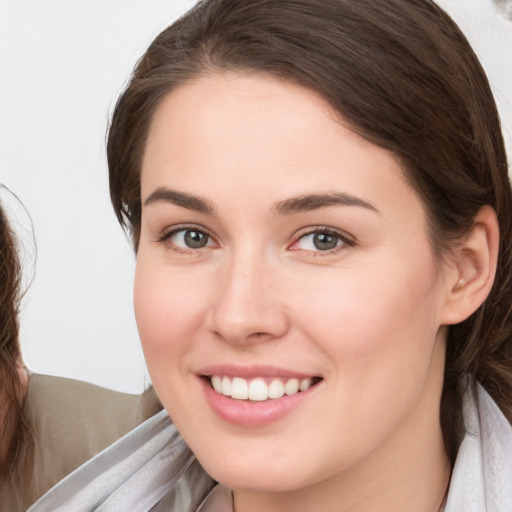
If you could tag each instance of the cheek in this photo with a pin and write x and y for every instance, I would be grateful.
(378, 333)
(168, 314)
(365, 318)
(166, 310)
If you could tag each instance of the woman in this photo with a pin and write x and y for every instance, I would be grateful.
(319, 202)
(48, 425)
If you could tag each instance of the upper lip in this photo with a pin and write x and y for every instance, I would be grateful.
(253, 371)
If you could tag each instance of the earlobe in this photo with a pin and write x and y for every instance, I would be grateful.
(473, 268)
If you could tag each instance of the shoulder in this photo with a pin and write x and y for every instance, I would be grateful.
(71, 421)
(65, 404)
(150, 468)
(78, 419)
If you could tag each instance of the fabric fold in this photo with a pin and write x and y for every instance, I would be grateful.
(151, 469)
(134, 473)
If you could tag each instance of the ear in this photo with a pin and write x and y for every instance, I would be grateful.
(470, 275)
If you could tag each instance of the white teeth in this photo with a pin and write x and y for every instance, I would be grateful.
(305, 384)
(257, 389)
(217, 383)
(226, 386)
(276, 389)
(292, 386)
(239, 389)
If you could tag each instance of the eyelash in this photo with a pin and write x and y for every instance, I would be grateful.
(167, 235)
(345, 239)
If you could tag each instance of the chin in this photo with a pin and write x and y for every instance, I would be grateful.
(254, 481)
(259, 476)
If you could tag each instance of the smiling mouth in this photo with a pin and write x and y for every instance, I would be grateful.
(260, 389)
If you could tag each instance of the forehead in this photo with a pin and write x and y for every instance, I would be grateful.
(219, 132)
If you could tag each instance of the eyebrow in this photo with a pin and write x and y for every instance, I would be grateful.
(306, 203)
(163, 194)
(297, 204)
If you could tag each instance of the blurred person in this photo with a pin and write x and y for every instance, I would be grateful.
(49, 425)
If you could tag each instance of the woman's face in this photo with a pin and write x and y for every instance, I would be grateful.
(282, 253)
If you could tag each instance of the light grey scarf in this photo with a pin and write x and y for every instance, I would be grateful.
(482, 475)
(151, 469)
(150, 464)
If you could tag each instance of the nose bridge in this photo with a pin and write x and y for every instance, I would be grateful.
(247, 307)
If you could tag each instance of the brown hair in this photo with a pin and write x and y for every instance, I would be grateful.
(405, 77)
(11, 388)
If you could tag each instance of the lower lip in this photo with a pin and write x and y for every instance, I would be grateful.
(252, 414)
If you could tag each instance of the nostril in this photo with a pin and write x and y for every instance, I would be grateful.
(258, 336)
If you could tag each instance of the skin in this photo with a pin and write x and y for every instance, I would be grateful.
(368, 317)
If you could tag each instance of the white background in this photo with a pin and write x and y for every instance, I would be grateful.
(62, 65)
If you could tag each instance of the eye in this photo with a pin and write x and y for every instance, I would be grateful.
(321, 240)
(188, 238)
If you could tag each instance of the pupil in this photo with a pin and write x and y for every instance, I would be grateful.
(324, 241)
(195, 239)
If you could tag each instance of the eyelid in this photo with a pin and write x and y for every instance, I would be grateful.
(347, 239)
(168, 232)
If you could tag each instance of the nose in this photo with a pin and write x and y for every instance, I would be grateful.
(247, 308)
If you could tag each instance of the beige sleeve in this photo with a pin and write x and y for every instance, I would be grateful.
(71, 421)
